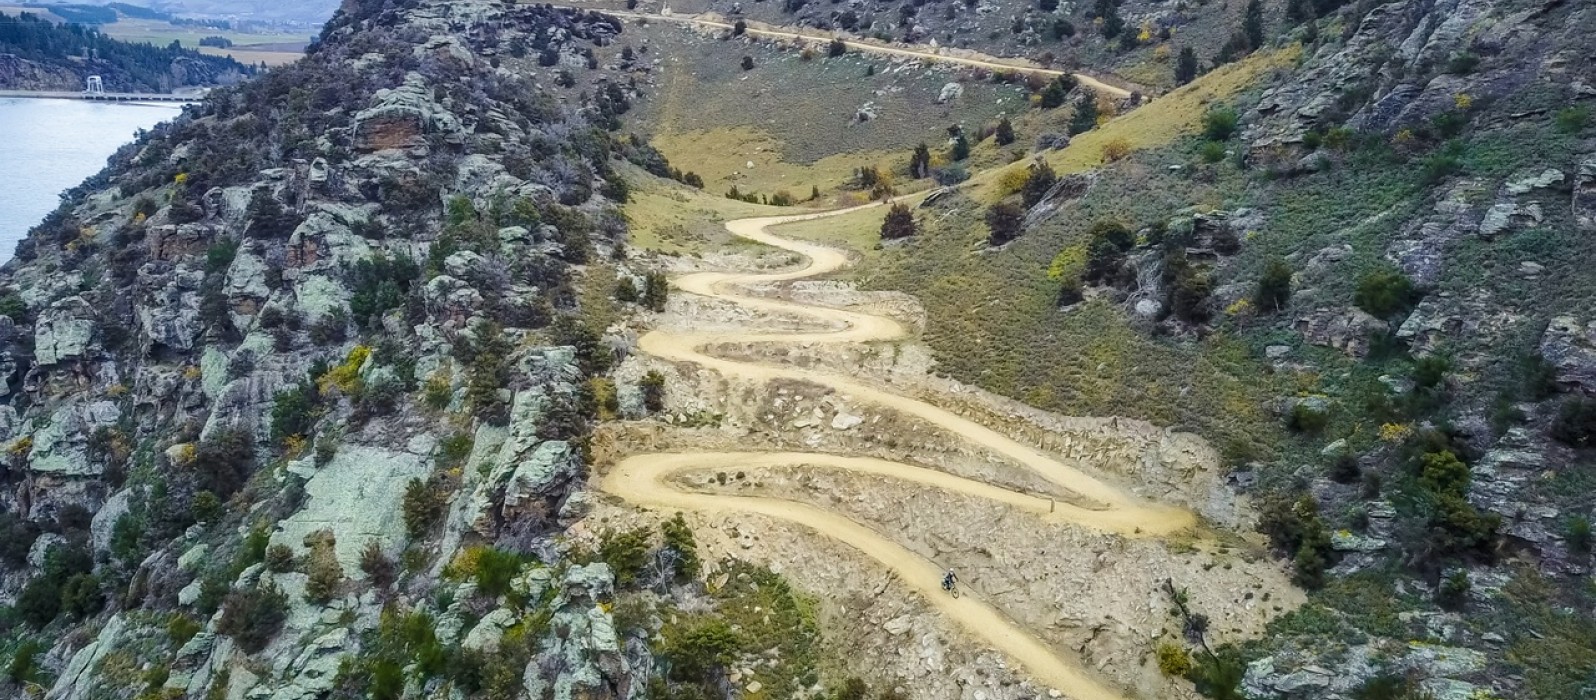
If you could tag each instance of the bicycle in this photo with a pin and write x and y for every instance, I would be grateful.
(951, 587)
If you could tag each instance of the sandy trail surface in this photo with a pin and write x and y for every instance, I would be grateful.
(871, 46)
(646, 479)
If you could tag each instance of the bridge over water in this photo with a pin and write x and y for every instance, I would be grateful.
(104, 96)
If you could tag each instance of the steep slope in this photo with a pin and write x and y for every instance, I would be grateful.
(297, 368)
(1365, 278)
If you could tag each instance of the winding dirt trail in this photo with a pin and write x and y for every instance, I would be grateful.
(645, 479)
(869, 45)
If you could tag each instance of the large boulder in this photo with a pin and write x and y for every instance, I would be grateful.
(1570, 347)
(581, 655)
(1347, 330)
(358, 496)
(61, 448)
(1585, 194)
(64, 331)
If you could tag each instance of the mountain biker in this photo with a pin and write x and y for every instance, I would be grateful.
(948, 579)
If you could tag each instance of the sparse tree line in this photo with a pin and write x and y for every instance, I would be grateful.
(126, 67)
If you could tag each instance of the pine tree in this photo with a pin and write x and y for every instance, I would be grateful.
(899, 223)
(1004, 134)
(1057, 91)
(1041, 180)
(1108, 12)
(1085, 118)
(961, 148)
(1186, 66)
(1253, 25)
(1003, 223)
(920, 162)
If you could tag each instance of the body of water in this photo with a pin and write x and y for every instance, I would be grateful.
(48, 146)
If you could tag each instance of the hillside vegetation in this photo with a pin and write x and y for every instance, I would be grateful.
(37, 54)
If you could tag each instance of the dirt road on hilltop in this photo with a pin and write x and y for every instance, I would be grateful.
(870, 46)
(644, 479)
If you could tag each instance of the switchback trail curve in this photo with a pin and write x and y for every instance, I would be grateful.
(645, 479)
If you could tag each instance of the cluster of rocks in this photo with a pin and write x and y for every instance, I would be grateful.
(174, 300)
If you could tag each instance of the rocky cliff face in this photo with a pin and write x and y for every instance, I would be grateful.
(294, 360)
(17, 73)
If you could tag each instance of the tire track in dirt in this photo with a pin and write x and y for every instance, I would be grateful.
(645, 479)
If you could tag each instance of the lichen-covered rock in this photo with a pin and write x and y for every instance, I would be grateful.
(61, 448)
(1584, 201)
(357, 496)
(1347, 330)
(64, 331)
(1570, 348)
(582, 654)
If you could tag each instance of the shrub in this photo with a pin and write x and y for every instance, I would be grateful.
(1173, 661)
(1346, 470)
(1189, 298)
(1085, 117)
(699, 650)
(836, 48)
(267, 218)
(1443, 163)
(280, 558)
(1274, 287)
(293, 412)
(24, 667)
(679, 539)
(950, 175)
(376, 565)
(16, 538)
(653, 387)
(11, 305)
(1430, 371)
(1211, 152)
(224, 462)
(1220, 123)
(655, 291)
(379, 285)
(1573, 119)
(1003, 223)
(39, 602)
(1116, 150)
(960, 149)
(1449, 124)
(1384, 292)
(1462, 63)
(1454, 591)
(423, 508)
(495, 568)
(1040, 179)
(898, 223)
(625, 552)
(1057, 91)
(1576, 422)
(1186, 66)
(206, 508)
(81, 596)
(1003, 135)
(254, 616)
(326, 575)
(1579, 538)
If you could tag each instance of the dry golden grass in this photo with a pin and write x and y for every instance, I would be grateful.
(1154, 124)
(722, 157)
(668, 217)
